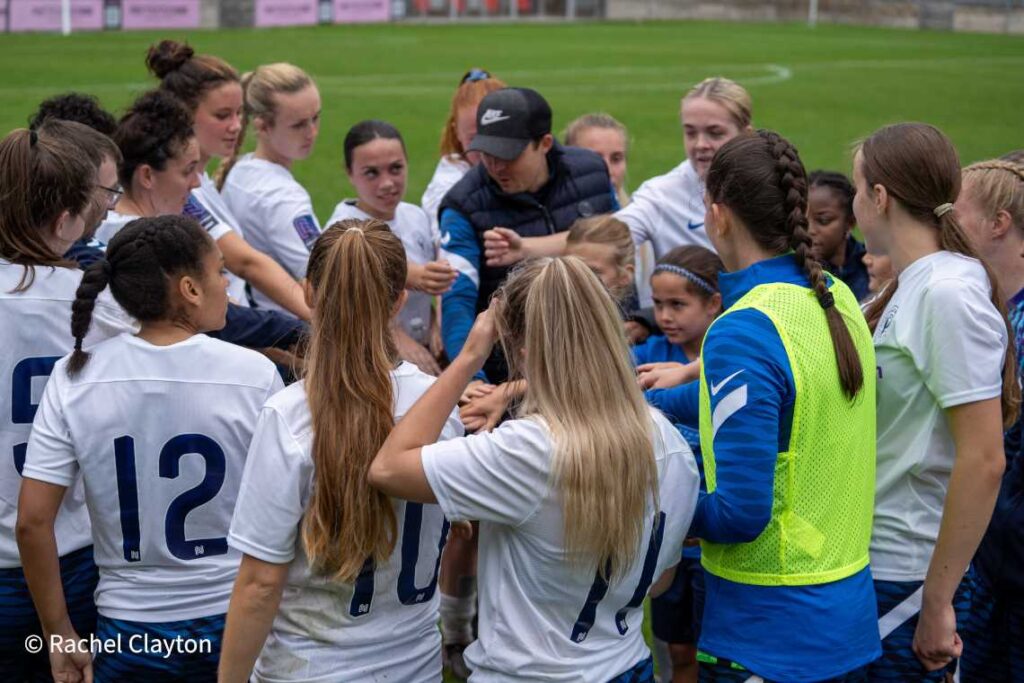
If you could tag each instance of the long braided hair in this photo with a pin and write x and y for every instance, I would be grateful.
(141, 260)
(760, 177)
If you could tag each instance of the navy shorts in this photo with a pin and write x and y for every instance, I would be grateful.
(642, 672)
(994, 638)
(18, 618)
(676, 614)
(899, 604)
(168, 652)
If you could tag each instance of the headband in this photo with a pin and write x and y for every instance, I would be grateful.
(688, 274)
(942, 209)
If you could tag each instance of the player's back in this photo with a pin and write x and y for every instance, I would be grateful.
(35, 331)
(160, 434)
(383, 625)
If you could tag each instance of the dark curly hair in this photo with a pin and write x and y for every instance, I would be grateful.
(157, 127)
(78, 107)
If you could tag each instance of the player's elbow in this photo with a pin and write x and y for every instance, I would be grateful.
(380, 474)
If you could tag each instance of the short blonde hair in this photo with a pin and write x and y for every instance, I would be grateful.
(730, 94)
(259, 87)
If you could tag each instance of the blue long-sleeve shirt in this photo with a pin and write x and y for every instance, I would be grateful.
(829, 628)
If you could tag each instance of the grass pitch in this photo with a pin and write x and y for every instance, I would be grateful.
(822, 87)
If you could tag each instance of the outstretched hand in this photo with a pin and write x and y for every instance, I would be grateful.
(503, 247)
(667, 375)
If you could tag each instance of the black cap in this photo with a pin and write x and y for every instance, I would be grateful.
(508, 119)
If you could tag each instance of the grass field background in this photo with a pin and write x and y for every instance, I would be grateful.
(822, 87)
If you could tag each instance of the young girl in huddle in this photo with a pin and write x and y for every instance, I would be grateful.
(338, 581)
(50, 199)
(583, 499)
(157, 425)
(830, 221)
(274, 212)
(686, 301)
(377, 167)
(211, 90)
(458, 132)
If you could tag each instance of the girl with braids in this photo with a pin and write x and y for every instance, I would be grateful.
(124, 417)
(48, 193)
(583, 499)
(947, 384)
(787, 430)
(273, 211)
(212, 92)
(991, 210)
(337, 579)
(830, 221)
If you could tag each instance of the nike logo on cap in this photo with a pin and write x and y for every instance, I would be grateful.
(493, 116)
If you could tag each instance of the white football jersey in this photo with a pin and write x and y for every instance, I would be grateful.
(382, 627)
(111, 225)
(668, 211)
(35, 332)
(207, 206)
(940, 343)
(542, 617)
(274, 213)
(421, 242)
(160, 436)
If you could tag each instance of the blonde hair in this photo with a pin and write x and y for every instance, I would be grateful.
(998, 186)
(357, 271)
(575, 129)
(555, 313)
(468, 94)
(258, 90)
(608, 230)
(727, 93)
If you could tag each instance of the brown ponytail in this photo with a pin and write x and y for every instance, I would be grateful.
(920, 169)
(357, 270)
(760, 177)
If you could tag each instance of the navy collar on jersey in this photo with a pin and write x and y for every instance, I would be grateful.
(779, 269)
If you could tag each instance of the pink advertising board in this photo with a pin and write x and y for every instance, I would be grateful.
(159, 14)
(286, 12)
(44, 15)
(358, 11)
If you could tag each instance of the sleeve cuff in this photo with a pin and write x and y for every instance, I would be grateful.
(428, 457)
(48, 476)
(259, 552)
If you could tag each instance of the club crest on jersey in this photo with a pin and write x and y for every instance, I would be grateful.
(305, 228)
(493, 116)
(585, 208)
(193, 209)
(888, 319)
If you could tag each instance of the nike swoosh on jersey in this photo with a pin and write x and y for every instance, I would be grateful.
(693, 226)
(715, 388)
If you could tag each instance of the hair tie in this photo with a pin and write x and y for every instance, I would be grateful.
(688, 274)
(33, 138)
(827, 301)
(942, 209)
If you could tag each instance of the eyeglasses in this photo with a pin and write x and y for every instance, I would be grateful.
(113, 194)
(474, 75)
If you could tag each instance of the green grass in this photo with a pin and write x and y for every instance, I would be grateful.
(821, 87)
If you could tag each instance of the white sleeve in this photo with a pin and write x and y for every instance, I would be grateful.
(291, 229)
(51, 451)
(108, 320)
(273, 493)
(444, 178)
(678, 495)
(959, 343)
(499, 476)
(642, 214)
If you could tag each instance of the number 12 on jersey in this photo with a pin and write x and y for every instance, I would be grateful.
(174, 521)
